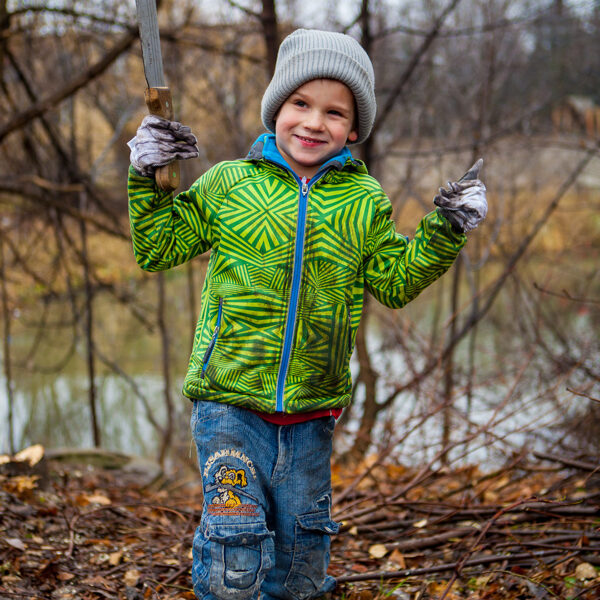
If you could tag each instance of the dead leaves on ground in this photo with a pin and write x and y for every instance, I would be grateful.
(522, 532)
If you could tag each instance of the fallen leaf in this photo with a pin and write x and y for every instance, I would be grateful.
(398, 558)
(64, 576)
(358, 568)
(420, 524)
(353, 530)
(16, 543)
(378, 551)
(115, 558)
(131, 577)
(32, 454)
(99, 499)
(585, 571)
(21, 484)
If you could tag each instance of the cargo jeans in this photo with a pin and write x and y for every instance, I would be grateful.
(266, 519)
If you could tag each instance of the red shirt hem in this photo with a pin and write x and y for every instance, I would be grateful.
(285, 419)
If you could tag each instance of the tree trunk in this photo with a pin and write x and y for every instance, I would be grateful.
(448, 363)
(367, 375)
(89, 326)
(268, 19)
(6, 350)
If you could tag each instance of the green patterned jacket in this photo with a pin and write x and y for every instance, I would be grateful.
(283, 293)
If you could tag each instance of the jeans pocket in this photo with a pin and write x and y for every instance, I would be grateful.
(240, 556)
(203, 412)
(310, 553)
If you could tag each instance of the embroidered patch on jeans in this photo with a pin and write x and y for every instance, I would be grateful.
(228, 483)
(229, 452)
(242, 510)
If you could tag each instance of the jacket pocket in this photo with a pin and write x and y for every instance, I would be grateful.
(213, 341)
(323, 341)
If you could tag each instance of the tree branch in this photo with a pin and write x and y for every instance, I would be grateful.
(19, 120)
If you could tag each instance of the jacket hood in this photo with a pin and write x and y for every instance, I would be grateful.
(265, 148)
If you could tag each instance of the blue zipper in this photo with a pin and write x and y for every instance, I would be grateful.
(290, 325)
(213, 340)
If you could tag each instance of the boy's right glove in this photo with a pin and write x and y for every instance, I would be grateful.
(159, 142)
(464, 204)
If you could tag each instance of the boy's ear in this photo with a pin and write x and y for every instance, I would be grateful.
(353, 136)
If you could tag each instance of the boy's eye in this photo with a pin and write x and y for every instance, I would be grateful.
(300, 103)
(336, 113)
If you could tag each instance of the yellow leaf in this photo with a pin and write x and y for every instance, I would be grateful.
(21, 484)
(115, 558)
(585, 571)
(32, 455)
(420, 524)
(98, 499)
(353, 530)
(378, 551)
(131, 577)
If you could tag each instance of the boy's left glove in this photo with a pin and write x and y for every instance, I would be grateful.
(464, 204)
(159, 142)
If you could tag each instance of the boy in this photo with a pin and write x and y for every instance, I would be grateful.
(297, 231)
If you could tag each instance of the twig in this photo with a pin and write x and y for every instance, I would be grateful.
(570, 462)
(484, 560)
(461, 563)
(564, 294)
(584, 395)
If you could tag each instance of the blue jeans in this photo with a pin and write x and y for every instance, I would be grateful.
(266, 518)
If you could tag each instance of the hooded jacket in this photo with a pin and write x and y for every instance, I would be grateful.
(290, 259)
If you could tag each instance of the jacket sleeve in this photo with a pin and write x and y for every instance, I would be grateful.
(168, 231)
(397, 270)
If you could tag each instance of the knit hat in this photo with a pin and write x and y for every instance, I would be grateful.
(308, 54)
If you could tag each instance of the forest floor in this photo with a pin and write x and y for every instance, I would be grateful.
(530, 529)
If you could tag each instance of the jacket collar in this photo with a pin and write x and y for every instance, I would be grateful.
(265, 148)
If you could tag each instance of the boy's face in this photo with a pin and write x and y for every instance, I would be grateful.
(314, 124)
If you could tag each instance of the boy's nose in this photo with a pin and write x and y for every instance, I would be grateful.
(314, 121)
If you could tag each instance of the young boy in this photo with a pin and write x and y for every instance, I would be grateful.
(298, 230)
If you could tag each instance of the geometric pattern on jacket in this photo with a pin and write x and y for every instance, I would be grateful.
(246, 212)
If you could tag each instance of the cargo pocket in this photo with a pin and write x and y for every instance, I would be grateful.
(240, 556)
(311, 551)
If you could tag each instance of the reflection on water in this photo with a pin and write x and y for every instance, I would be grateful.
(54, 411)
(519, 399)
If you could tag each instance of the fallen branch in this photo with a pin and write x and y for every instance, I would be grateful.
(484, 560)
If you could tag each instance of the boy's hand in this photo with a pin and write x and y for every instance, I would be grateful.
(464, 203)
(159, 142)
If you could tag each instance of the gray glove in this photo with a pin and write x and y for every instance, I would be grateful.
(159, 142)
(464, 204)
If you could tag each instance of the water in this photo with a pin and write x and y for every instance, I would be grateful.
(522, 402)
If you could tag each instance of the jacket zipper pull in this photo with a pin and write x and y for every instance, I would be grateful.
(304, 186)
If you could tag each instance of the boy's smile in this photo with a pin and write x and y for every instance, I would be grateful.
(314, 124)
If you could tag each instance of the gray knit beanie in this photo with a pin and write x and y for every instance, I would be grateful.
(308, 54)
